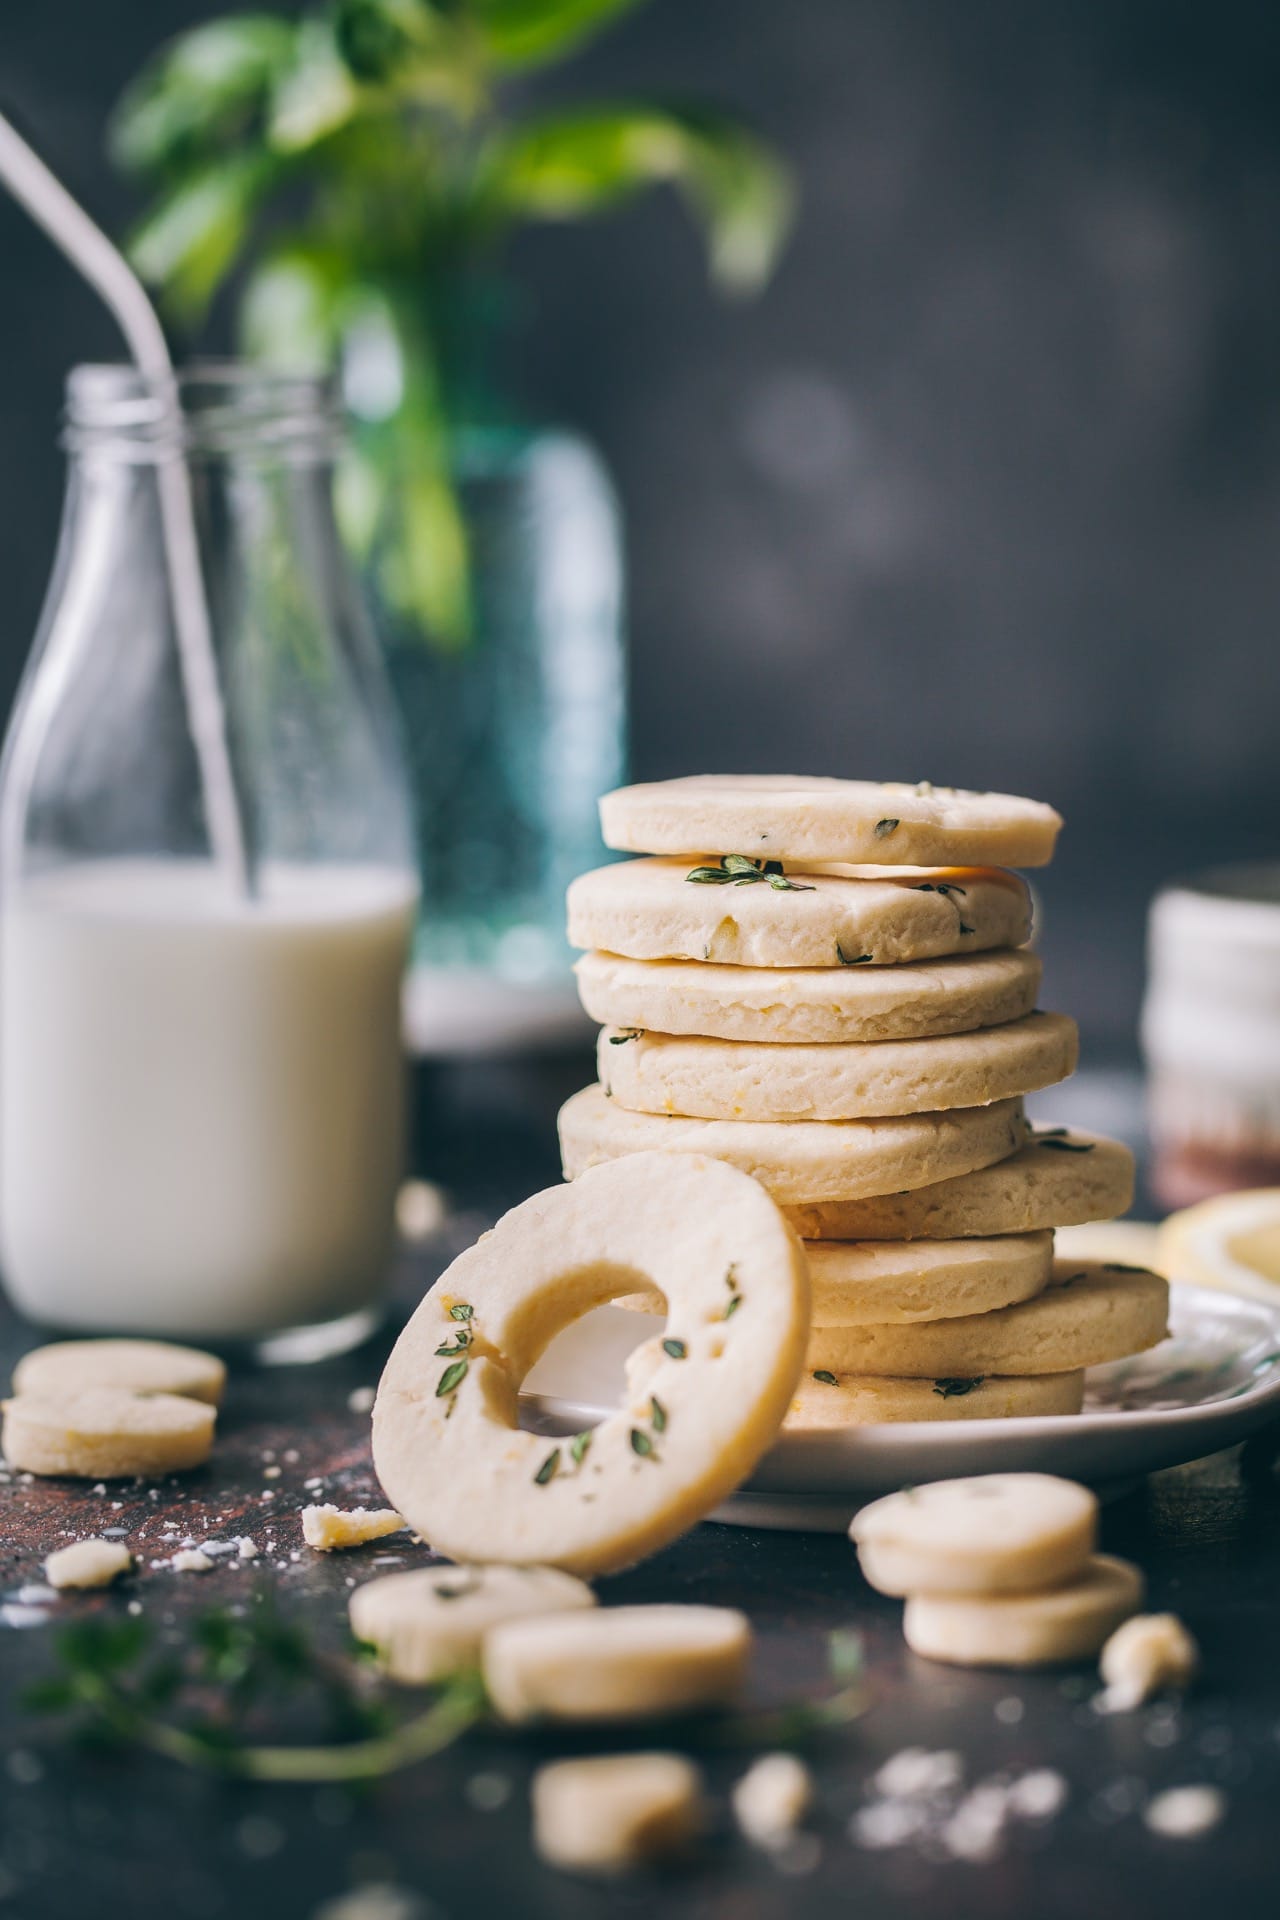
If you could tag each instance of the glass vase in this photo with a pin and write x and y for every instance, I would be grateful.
(512, 736)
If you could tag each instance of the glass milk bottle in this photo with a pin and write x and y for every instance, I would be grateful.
(201, 1081)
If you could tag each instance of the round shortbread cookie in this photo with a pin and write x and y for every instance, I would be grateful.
(617, 1663)
(850, 1080)
(852, 1282)
(446, 1441)
(801, 1160)
(826, 1400)
(1086, 1316)
(1026, 1629)
(990, 1533)
(106, 1433)
(613, 1812)
(430, 1621)
(1058, 1179)
(139, 1366)
(789, 817)
(848, 917)
(809, 1004)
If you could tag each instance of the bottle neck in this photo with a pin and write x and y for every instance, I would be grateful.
(209, 412)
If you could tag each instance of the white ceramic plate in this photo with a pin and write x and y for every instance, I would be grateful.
(1212, 1383)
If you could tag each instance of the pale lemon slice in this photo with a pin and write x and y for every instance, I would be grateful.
(1232, 1243)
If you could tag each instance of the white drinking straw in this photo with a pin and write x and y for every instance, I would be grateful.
(109, 273)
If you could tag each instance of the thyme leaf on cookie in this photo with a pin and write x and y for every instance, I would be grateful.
(578, 1447)
(885, 827)
(675, 1349)
(461, 1311)
(828, 1379)
(736, 870)
(549, 1468)
(452, 1378)
(955, 1389)
(850, 959)
(629, 1033)
(643, 1445)
(1057, 1140)
(657, 1414)
(460, 1345)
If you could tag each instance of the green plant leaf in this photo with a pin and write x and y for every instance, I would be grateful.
(193, 235)
(577, 164)
(315, 94)
(201, 94)
(525, 33)
(289, 309)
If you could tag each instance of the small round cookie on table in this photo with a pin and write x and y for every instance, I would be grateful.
(827, 983)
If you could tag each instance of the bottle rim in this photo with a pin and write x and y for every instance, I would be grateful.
(209, 407)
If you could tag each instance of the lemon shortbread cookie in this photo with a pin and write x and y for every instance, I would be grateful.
(849, 1080)
(853, 1281)
(809, 1004)
(619, 1663)
(1026, 1629)
(844, 916)
(430, 1622)
(801, 1160)
(615, 1811)
(1057, 1179)
(446, 1443)
(105, 1433)
(827, 1399)
(139, 1366)
(1087, 1315)
(992, 1533)
(786, 817)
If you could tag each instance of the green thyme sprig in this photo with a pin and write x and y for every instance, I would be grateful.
(736, 870)
(1058, 1140)
(197, 1710)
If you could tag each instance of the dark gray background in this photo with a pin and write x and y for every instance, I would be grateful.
(986, 489)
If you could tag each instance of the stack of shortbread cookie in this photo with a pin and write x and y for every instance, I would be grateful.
(826, 983)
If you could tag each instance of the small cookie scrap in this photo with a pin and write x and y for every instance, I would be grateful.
(138, 1366)
(1150, 1653)
(617, 1663)
(611, 1813)
(772, 1798)
(87, 1563)
(995, 1533)
(328, 1528)
(106, 1433)
(1070, 1622)
(429, 1622)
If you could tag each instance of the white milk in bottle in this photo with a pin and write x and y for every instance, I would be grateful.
(200, 1098)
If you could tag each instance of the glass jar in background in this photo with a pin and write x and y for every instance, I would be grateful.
(1211, 1034)
(513, 735)
(201, 1087)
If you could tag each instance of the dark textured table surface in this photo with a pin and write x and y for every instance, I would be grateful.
(140, 1837)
